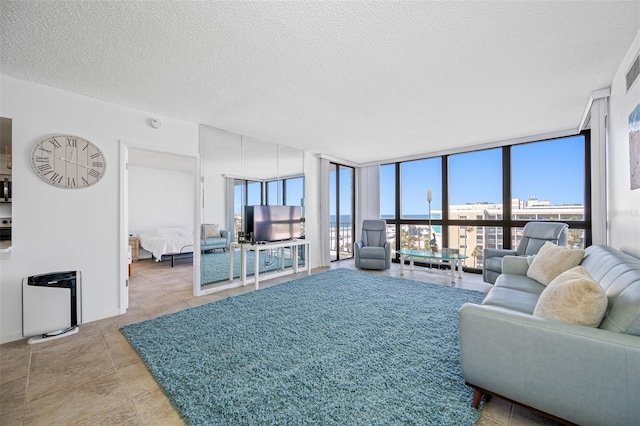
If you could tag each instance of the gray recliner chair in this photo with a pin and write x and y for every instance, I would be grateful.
(534, 235)
(373, 251)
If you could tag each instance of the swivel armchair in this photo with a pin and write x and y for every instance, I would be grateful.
(534, 235)
(373, 251)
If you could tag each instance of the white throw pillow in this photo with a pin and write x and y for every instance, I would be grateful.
(211, 231)
(552, 260)
(573, 297)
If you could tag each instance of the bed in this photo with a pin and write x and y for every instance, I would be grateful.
(167, 241)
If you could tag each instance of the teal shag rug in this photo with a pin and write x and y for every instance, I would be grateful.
(215, 265)
(342, 347)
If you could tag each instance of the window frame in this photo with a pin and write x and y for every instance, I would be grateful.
(337, 167)
(506, 224)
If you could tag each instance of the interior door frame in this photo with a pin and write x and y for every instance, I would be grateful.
(124, 216)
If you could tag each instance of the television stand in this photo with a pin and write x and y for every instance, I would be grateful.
(244, 248)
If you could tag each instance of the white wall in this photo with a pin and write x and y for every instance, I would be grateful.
(56, 229)
(159, 198)
(624, 204)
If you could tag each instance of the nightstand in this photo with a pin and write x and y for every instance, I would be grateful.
(135, 245)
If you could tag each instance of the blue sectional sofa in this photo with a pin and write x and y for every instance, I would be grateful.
(583, 375)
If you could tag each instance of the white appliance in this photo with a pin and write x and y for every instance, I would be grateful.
(51, 305)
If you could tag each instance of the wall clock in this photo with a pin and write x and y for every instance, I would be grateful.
(68, 161)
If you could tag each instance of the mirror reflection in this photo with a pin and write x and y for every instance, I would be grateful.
(239, 171)
(221, 166)
(6, 162)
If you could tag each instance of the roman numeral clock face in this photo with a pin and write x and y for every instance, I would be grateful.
(67, 161)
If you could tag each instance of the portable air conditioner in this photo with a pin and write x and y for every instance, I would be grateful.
(51, 305)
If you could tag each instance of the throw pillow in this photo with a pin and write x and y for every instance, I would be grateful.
(573, 297)
(211, 231)
(551, 261)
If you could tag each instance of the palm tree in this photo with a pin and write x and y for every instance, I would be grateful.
(477, 251)
(409, 239)
(574, 238)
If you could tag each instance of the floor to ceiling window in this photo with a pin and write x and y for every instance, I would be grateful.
(239, 192)
(417, 179)
(254, 193)
(285, 192)
(293, 191)
(238, 207)
(475, 193)
(245, 193)
(280, 192)
(557, 192)
(483, 199)
(274, 192)
(388, 185)
(341, 211)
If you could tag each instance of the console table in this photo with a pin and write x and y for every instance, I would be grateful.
(454, 259)
(244, 248)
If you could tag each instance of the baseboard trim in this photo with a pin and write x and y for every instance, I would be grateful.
(11, 338)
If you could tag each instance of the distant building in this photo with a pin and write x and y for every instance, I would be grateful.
(471, 240)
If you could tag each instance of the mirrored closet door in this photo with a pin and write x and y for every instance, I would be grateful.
(239, 171)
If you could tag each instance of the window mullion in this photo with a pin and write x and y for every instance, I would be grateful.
(506, 197)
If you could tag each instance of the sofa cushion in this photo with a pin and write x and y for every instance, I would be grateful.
(214, 241)
(210, 231)
(509, 298)
(551, 261)
(520, 282)
(370, 252)
(573, 297)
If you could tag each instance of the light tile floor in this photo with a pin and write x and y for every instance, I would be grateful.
(95, 378)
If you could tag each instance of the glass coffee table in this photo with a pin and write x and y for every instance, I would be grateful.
(455, 260)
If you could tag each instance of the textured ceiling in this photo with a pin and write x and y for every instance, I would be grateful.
(362, 81)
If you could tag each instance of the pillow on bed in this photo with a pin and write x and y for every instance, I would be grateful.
(210, 231)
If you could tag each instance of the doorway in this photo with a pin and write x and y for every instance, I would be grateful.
(158, 189)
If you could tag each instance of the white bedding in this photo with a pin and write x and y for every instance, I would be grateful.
(161, 241)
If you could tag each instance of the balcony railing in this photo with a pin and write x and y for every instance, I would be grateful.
(341, 240)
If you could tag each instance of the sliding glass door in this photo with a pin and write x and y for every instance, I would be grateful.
(341, 211)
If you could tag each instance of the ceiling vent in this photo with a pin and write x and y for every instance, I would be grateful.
(633, 73)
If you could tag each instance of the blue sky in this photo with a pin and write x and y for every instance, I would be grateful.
(295, 191)
(345, 191)
(550, 170)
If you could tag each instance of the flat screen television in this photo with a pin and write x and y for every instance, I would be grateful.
(272, 223)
